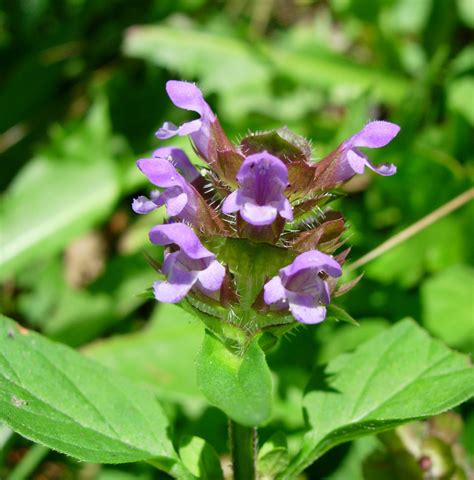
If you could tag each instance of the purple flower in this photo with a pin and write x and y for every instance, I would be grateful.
(192, 265)
(177, 194)
(186, 95)
(262, 178)
(180, 161)
(300, 286)
(373, 135)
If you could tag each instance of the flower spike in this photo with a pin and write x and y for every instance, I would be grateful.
(261, 207)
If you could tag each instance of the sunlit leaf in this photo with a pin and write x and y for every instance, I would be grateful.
(448, 306)
(160, 356)
(59, 195)
(56, 397)
(239, 383)
(398, 376)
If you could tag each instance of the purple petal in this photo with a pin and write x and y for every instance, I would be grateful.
(143, 205)
(284, 209)
(265, 174)
(262, 180)
(384, 169)
(167, 130)
(176, 287)
(325, 293)
(305, 309)
(188, 96)
(182, 236)
(180, 160)
(160, 172)
(176, 203)
(258, 214)
(274, 291)
(212, 277)
(314, 260)
(231, 203)
(357, 161)
(169, 261)
(375, 134)
(190, 127)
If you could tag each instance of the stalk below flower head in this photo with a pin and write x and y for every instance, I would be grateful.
(253, 242)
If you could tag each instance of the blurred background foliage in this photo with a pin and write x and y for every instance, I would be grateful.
(81, 95)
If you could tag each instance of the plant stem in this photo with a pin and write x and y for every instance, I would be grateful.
(243, 447)
(413, 229)
(29, 463)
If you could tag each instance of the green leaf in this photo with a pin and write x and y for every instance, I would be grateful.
(398, 376)
(324, 69)
(200, 458)
(432, 249)
(161, 355)
(239, 383)
(221, 62)
(60, 194)
(56, 397)
(447, 306)
(466, 12)
(273, 457)
(346, 338)
(459, 93)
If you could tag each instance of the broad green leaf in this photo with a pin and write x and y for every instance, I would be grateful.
(239, 383)
(161, 355)
(398, 376)
(54, 396)
(200, 458)
(221, 62)
(59, 195)
(448, 306)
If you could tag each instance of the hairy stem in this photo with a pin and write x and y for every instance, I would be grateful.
(243, 446)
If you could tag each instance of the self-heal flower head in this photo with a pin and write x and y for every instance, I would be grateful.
(373, 135)
(192, 265)
(300, 286)
(262, 180)
(187, 96)
(266, 181)
(177, 194)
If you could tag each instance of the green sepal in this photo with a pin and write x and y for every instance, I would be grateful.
(334, 312)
